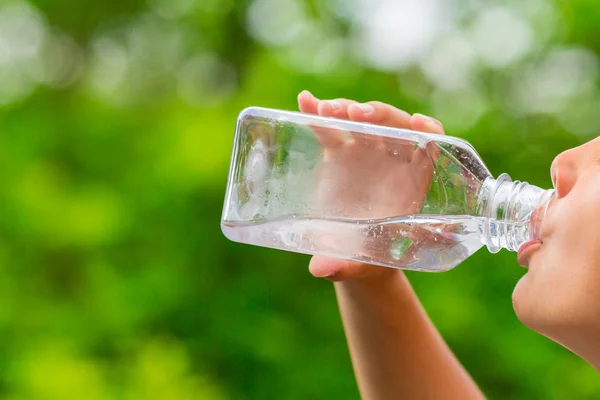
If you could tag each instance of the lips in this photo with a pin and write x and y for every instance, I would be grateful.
(526, 251)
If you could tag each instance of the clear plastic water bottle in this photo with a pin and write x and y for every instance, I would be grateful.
(356, 191)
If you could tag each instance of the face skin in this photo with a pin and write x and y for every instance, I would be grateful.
(559, 296)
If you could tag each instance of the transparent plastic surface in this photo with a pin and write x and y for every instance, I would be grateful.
(361, 192)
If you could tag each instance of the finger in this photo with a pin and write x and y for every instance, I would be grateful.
(379, 113)
(423, 123)
(308, 103)
(376, 112)
(338, 108)
(337, 270)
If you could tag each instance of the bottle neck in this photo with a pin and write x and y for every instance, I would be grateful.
(513, 212)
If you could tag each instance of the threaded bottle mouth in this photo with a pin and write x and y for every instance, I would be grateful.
(539, 213)
(513, 212)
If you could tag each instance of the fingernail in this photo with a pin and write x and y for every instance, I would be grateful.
(366, 108)
(335, 105)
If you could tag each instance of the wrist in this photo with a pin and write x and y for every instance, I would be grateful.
(378, 296)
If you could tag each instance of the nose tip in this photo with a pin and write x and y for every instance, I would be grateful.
(564, 173)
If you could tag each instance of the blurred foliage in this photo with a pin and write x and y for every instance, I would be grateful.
(117, 122)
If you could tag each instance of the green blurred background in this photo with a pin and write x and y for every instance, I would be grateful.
(116, 126)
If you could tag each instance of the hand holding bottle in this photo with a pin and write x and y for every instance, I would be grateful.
(370, 173)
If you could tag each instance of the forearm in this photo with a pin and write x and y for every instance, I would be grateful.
(396, 351)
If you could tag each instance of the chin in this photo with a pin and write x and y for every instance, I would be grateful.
(519, 298)
(538, 310)
(526, 303)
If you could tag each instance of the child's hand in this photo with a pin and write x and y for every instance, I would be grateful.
(370, 173)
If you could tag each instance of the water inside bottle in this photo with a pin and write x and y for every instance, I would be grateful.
(419, 242)
(361, 192)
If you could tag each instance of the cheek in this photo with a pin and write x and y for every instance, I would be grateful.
(559, 290)
(574, 230)
(560, 287)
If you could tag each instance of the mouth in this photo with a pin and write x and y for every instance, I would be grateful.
(538, 230)
(526, 251)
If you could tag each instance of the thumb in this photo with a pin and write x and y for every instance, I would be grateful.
(337, 270)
